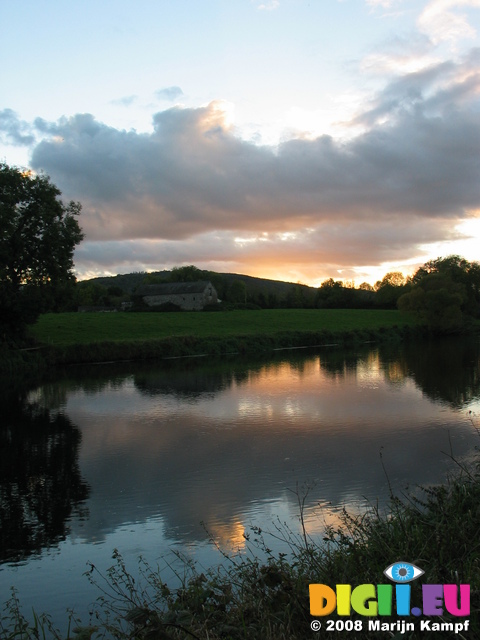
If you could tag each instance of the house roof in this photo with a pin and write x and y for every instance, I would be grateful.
(169, 288)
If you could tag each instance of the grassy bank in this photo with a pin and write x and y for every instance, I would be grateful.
(247, 599)
(91, 337)
(84, 328)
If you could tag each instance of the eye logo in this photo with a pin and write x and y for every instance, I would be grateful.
(403, 572)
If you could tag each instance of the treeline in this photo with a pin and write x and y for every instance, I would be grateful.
(445, 287)
(443, 294)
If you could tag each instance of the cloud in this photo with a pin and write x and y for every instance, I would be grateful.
(385, 4)
(193, 191)
(441, 21)
(15, 131)
(433, 91)
(317, 252)
(270, 5)
(169, 94)
(400, 55)
(126, 101)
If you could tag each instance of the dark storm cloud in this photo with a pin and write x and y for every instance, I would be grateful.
(15, 131)
(407, 180)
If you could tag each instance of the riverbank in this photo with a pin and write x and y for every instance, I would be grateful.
(247, 599)
(109, 337)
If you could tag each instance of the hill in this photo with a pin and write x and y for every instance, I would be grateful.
(257, 289)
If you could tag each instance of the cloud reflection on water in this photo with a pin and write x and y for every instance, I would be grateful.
(198, 445)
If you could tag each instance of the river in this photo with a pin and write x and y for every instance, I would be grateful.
(181, 458)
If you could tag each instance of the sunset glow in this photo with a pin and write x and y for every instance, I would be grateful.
(288, 140)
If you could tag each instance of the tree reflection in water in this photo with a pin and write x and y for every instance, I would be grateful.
(446, 370)
(40, 482)
(41, 487)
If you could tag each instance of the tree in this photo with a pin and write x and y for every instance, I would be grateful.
(460, 271)
(445, 293)
(365, 286)
(237, 292)
(333, 295)
(188, 273)
(392, 278)
(437, 302)
(389, 289)
(38, 235)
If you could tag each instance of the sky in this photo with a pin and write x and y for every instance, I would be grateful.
(297, 140)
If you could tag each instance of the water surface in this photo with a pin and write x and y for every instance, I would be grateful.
(165, 456)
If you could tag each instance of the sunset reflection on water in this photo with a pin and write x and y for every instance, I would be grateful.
(171, 456)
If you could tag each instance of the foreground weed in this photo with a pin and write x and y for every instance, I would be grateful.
(15, 626)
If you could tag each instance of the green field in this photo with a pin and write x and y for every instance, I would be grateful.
(64, 329)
